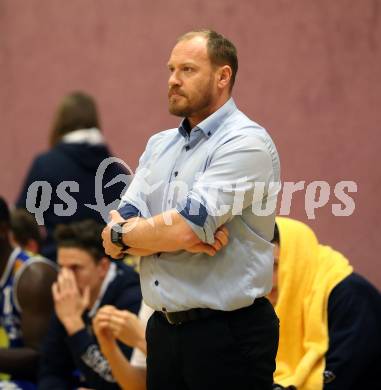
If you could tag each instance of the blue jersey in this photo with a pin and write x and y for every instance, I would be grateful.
(9, 308)
(10, 311)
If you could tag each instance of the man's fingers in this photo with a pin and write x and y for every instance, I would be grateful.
(103, 317)
(106, 309)
(111, 249)
(208, 249)
(222, 238)
(114, 251)
(70, 279)
(211, 251)
(116, 324)
(217, 244)
(113, 213)
(223, 229)
(115, 216)
(63, 282)
(55, 291)
(60, 279)
(102, 324)
(105, 233)
(99, 325)
(66, 282)
(202, 248)
(116, 254)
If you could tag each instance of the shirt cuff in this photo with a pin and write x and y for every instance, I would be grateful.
(196, 215)
(128, 211)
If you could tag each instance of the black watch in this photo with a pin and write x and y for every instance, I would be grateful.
(117, 235)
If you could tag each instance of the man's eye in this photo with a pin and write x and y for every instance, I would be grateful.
(187, 69)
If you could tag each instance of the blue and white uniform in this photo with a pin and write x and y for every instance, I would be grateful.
(10, 310)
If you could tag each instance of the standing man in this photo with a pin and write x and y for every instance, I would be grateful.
(198, 186)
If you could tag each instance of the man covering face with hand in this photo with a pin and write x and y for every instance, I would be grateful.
(87, 281)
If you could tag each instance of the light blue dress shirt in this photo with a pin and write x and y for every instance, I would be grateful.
(225, 171)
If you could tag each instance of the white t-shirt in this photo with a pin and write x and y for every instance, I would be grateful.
(138, 358)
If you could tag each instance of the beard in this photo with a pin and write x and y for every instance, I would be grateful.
(186, 106)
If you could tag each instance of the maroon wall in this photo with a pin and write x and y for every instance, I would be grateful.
(309, 72)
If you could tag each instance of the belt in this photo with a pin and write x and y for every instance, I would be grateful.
(179, 317)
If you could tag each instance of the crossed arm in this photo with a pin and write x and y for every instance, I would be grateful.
(165, 232)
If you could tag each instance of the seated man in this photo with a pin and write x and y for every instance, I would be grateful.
(329, 316)
(25, 306)
(25, 231)
(87, 281)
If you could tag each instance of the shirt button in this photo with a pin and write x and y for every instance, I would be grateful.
(176, 173)
(209, 133)
(156, 283)
(187, 148)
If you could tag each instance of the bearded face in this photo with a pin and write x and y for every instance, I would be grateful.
(192, 87)
(188, 101)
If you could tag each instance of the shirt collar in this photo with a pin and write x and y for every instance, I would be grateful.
(110, 276)
(210, 124)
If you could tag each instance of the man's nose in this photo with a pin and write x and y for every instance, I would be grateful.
(174, 80)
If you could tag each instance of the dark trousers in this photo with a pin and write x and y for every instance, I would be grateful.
(229, 350)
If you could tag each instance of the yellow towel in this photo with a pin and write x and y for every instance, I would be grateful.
(307, 273)
(3, 344)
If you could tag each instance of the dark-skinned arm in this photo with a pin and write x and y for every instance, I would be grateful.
(34, 296)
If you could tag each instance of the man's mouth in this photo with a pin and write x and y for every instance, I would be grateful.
(174, 94)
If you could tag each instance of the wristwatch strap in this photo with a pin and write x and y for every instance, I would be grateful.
(119, 234)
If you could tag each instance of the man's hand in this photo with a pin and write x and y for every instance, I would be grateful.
(69, 304)
(124, 325)
(111, 249)
(221, 239)
(105, 337)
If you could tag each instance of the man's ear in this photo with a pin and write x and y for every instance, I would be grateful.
(224, 75)
(104, 265)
